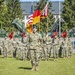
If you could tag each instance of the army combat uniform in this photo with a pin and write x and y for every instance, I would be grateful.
(55, 48)
(65, 47)
(70, 47)
(5, 47)
(34, 39)
(47, 47)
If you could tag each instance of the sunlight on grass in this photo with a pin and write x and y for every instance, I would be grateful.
(12, 66)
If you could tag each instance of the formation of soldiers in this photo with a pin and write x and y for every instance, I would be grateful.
(37, 47)
(49, 46)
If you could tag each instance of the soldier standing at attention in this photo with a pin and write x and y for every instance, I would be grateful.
(5, 47)
(55, 47)
(34, 44)
(65, 47)
(70, 47)
(47, 47)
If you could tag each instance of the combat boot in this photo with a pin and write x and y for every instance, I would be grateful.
(33, 68)
(36, 68)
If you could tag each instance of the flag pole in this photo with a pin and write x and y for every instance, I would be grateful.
(47, 25)
(47, 15)
(59, 21)
(39, 28)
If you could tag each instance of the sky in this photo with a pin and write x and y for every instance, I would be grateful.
(38, 0)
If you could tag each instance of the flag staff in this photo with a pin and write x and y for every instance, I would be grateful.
(39, 28)
(47, 15)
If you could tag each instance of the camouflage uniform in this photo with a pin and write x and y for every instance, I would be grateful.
(70, 47)
(47, 48)
(41, 50)
(14, 45)
(65, 47)
(19, 50)
(10, 46)
(1, 48)
(44, 48)
(34, 45)
(55, 48)
(26, 48)
(5, 47)
(60, 46)
(24, 51)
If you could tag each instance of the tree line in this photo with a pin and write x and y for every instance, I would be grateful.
(11, 9)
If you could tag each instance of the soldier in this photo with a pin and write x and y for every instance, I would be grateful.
(34, 39)
(1, 49)
(44, 48)
(19, 50)
(5, 47)
(60, 46)
(48, 46)
(55, 47)
(26, 48)
(65, 47)
(14, 47)
(70, 47)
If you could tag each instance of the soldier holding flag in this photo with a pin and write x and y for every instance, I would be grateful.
(34, 44)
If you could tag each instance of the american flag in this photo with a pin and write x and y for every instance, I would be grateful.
(30, 17)
(45, 10)
(30, 21)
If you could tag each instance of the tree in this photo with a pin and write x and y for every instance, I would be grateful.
(13, 11)
(68, 14)
(3, 11)
(42, 26)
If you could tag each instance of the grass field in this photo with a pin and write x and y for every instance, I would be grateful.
(12, 66)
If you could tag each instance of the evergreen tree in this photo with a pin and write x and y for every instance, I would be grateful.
(3, 11)
(68, 14)
(13, 11)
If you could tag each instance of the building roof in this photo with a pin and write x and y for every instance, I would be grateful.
(56, 6)
(26, 7)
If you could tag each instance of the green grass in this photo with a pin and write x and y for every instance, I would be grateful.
(12, 66)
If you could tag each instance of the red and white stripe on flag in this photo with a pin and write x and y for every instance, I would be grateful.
(30, 20)
(45, 10)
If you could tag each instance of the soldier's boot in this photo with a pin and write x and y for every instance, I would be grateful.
(36, 68)
(33, 68)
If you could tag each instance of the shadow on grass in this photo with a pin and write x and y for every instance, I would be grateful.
(26, 68)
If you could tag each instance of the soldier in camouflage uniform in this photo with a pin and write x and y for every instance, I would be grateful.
(34, 39)
(60, 46)
(41, 50)
(55, 47)
(70, 47)
(5, 47)
(1, 48)
(47, 47)
(19, 50)
(65, 47)
(44, 48)
(14, 45)
(26, 48)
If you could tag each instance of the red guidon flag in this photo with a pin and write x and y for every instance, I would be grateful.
(11, 35)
